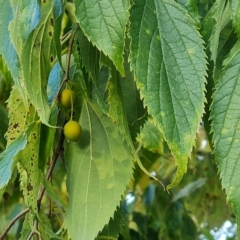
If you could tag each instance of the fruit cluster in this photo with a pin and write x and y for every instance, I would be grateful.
(72, 129)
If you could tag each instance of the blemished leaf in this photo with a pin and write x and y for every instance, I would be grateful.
(19, 30)
(169, 63)
(99, 167)
(7, 162)
(150, 137)
(17, 114)
(225, 117)
(37, 56)
(104, 24)
(30, 175)
(235, 8)
(7, 49)
(3, 127)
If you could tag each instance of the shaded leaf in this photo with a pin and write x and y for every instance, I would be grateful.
(150, 137)
(113, 228)
(52, 194)
(89, 55)
(99, 168)
(214, 22)
(187, 190)
(226, 132)
(169, 63)
(235, 8)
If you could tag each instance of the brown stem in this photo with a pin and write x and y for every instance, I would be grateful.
(66, 76)
(21, 214)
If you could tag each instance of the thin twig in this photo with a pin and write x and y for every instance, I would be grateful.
(21, 214)
(66, 76)
(58, 153)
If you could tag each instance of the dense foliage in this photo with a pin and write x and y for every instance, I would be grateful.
(149, 90)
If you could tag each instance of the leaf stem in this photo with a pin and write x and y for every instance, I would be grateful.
(21, 214)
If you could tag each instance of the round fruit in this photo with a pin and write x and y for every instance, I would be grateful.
(72, 131)
(67, 96)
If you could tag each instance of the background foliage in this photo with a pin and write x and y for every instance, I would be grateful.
(157, 86)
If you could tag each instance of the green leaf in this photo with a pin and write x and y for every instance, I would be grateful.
(235, 8)
(133, 105)
(28, 167)
(7, 162)
(169, 63)
(18, 113)
(214, 22)
(6, 47)
(45, 228)
(37, 55)
(47, 139)
(52, 194)
(99, 168)
(114, 227)
(3, 127)
(150, 137)
(26, 228)
(89, 55)
(192, 8)
(117, 114)
(23, 22)
(226, 131)
(104, 24)
(57, 24)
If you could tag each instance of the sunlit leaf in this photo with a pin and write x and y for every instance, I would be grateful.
(104, 24)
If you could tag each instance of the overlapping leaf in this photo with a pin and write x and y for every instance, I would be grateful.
(226, 129)
(150, 137)
(103, 22)
(235, 8)
(38, 53)
(169, 63)
(99, 168)
(214, 22)
(6, 47)
(7, 162)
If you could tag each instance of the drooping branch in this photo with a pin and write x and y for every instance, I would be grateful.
(21, 214)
